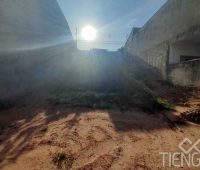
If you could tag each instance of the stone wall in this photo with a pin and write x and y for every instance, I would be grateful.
(185, 74)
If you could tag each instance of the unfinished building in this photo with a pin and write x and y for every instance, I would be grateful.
(170, 42)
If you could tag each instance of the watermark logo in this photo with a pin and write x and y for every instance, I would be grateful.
(189, 155)
(190, 149)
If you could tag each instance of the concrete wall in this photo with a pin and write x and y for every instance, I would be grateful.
(169, 23)
(36, 46)
(185, 74)
(57, 67)
(23, 71)
(29, 24)
(157, 57)
(156, 42)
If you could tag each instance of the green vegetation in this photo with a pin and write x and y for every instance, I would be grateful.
(137, 86)
(123, 100)
(84, 99)
(165, 104)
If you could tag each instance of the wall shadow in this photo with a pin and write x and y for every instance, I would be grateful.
(26, 123)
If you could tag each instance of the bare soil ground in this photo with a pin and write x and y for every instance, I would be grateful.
(91, 138)
(86, 139)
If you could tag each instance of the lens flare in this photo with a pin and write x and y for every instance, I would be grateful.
(89, 33)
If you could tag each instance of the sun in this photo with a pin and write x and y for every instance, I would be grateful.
(89, 33)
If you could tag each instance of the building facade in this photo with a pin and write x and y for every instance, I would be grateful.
(170, 42)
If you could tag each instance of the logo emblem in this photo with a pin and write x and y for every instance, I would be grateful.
(194, 146)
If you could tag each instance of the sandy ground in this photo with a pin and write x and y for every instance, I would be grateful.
(91, 138)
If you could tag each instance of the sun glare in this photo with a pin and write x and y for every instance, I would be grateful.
(89, 33)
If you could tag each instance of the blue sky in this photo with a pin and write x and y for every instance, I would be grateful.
(113, 19)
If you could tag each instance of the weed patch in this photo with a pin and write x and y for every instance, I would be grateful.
(165, 104)
(62, 160)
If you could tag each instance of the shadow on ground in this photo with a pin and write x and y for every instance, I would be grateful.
(25, 127)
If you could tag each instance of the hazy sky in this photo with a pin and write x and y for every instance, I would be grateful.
(114, 19)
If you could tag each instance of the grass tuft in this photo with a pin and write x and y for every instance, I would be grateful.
(63, 160)
(165, 104)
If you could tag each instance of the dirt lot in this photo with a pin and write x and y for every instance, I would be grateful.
(60, 137)
(89, 138)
